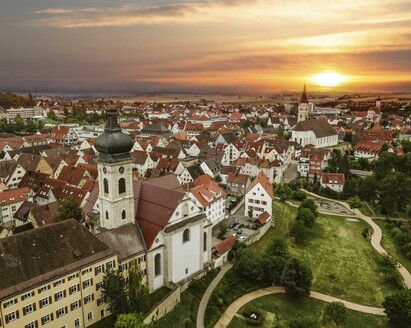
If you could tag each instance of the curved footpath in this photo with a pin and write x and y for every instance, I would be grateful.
(237, 304)
(375, 238)
(206, 297)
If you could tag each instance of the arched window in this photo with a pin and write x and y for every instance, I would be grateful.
(121, 186)
(105, 183)
(106, 215)
(123, 215)
(186, 235)
(205, 242)
(157, 264)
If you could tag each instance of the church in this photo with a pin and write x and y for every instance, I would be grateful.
(175, 231)
(318, 133)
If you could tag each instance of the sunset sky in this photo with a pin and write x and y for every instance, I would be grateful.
(245, 46)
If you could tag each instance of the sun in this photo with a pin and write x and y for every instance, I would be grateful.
(329, 79)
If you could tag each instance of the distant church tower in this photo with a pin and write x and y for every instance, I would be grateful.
(303, 107)
(378, 103)
(116, 197)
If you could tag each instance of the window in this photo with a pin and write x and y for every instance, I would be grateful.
(74, 289)
(123, 215)
(29, 309)
(90, 316)
(186, 235)
(122, 186)
(85, 271)
(75, 305)
(43, 289)
(123, 266)
(11, 316)
(107, 215)
(77, 323)
(98, 270)
(58, 282)
(205, 241)
(105, 184)
(72, 276)
(45, 301)
(87, 283)
(10, 302)
(110, 265)
(61, 312)
(99, 285)
(47, 318)
(157, 264)
(88, 298)
(141, 259)
(32, 324)
(59, 295)
(27, 295)
(100, 301)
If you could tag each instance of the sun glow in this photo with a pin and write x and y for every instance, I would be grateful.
(329, 79)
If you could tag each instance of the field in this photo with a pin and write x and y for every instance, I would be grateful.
(281, 310)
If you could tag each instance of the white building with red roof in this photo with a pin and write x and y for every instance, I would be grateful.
(334, 181)
(10, 202)
(259, 197)
(209, 197)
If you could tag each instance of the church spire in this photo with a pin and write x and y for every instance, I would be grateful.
(304, 99)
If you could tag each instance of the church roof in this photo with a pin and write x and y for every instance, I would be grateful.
(321, 128)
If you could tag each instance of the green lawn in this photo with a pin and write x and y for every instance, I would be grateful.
(389, 245)
(280, 310)
(337, 248)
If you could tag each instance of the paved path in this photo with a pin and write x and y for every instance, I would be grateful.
(237, 304)
(204, 300)
(375, 238)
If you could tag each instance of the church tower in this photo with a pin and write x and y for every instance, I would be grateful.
(303, 107)
(378, 103)
(116, 197)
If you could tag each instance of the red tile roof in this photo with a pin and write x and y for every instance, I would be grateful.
(262, 179)
(333, 178)
(13, 196)
(225, 246)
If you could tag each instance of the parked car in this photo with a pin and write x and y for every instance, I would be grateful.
(232, 224)
(237, 226)
(239, 231)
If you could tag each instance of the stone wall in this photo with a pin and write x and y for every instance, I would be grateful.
(166, 305)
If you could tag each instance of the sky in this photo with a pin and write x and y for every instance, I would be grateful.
(236, 46)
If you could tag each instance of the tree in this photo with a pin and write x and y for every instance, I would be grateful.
(299, 232)
(306, 216)
(384, 148)
(246, 264)
(354, 202)
(335, 312)
(270, 269)
(18, 124)
(388, 265)
(303, 323)
(395, 192)
(125, 295)
(68, 208)
(130, 320)
(296, 278)
(278, 247)
(136, 290)
(309, 203)
(114, 290)
(223, 228)
(398, 308)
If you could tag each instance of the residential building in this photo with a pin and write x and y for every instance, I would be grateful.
(259, 197)
(237, 184)
(334, 181)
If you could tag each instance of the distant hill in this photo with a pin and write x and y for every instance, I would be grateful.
(8, 100)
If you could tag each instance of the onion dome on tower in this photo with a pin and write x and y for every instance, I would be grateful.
(113, 145)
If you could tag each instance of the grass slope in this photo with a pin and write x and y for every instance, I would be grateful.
(280, 310)
(344, 264)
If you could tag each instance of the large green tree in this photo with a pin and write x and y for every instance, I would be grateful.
(306, 216)
(336, 312)
(398, 308)
(395, 192)
(68, 208)
(296, 278)
(125, 295)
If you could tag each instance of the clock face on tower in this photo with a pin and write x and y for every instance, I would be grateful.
(104, 170)
(121, 169)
